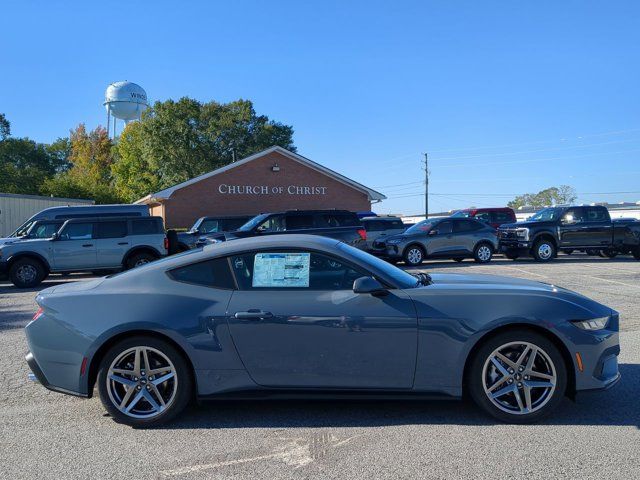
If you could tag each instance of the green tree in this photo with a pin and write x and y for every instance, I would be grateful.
(5, 127)
(549, 196)
(178, 140)
(24, 165)
(88, 175)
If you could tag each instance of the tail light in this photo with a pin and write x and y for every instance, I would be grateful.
(166, 243)
(38, 313)
(363, 233)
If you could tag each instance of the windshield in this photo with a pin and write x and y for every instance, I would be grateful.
(255, 221)
(423, 226)
(461, 214)
(546, 215)
(21, 231)
(402, 278)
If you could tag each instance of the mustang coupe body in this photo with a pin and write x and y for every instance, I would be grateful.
(295, 314)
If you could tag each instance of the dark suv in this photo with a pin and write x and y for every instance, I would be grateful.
(339, 224)
(210, 225)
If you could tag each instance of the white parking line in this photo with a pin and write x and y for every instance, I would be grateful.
(612, 281)
(527, 272)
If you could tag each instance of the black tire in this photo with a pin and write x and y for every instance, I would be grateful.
(483, 252)
(174, 245)
(139, 259)
(413, 255)
(458, 259)
(27, 273)
(544, 250)
(183, 387)
(476, 377)
(610, 253)
(592, 252)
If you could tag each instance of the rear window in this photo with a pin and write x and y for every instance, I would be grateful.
(502, 217)
(340, 219)
(145, 226)
(112, 229)
(213, 273)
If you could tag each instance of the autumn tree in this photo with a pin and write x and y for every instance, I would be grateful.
(179, 140)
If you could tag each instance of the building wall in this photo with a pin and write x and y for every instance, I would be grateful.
(17, 209)
(254, 188)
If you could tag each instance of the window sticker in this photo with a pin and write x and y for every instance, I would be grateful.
(281, 270)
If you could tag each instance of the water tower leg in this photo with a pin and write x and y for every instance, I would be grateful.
(108, 120)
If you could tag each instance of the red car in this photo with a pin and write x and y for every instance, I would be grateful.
(493, 216)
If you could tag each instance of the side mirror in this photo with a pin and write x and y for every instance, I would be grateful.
(568, 220)
(55, 236)
(432, 233)
(369, 285)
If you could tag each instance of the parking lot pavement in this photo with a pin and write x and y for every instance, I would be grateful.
(48, 435)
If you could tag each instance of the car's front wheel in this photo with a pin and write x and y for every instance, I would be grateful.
(139, 259)
(413, 255)
(483, 253)
(544, 250)
(27, 273)
(518, 376)
(144, 381)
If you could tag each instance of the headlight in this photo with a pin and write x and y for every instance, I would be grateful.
(393, 241)
(522, 233)
(593, 324)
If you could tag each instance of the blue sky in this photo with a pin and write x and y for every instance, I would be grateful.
(507, 97)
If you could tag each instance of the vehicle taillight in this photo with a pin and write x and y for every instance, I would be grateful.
(166, 243)
(363, 233)
(38, 313)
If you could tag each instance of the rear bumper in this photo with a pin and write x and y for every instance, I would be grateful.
(42, 379)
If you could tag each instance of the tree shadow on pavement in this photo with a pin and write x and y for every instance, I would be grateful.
(616, 407)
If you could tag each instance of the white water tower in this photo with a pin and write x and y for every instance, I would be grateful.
(125, 101)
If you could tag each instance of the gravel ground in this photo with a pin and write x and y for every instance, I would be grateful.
(48, 435)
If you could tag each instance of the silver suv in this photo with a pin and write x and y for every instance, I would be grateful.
(87, 244)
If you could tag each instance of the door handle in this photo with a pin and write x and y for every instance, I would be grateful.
(253, 315)
(88, 245)
(123, 243)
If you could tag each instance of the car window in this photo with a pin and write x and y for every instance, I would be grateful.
(339, 220)
(44, 230)
(423, 227)
(574, 215)
(209, 226)
(294, 270)
(502, 217)
(112, 229)
(444, 227)
(227, 224)
(274, 223)
(461, 226)
(596, 214)
(212, 273)
(373, 226)
(145, 226)
(395, 224)
(462, 213)
(483, 216)
(77, 231)
(297, 222)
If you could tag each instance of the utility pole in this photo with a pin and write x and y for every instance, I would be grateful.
(426, 185)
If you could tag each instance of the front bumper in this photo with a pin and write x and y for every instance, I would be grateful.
(387, 251)
(514, 246)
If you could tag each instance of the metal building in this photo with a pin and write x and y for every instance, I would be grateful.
(15, 209)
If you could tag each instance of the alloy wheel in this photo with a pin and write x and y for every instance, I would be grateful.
(142, 261)
(414, 255)
(142, 382)
(519, 378)
(26, 273)
(484, 253)
(545, 251)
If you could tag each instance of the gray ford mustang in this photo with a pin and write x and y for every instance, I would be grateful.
(305, 315)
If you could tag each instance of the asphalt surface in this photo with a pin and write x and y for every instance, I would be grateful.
(48, 435)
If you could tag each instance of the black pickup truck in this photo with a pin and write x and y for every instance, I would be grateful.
(567, 229)
(339, 224)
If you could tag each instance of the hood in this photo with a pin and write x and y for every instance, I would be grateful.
(460, 279)
(526, 223)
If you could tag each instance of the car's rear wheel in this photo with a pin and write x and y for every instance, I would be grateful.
(139, 259)
(544, 250)
(144, 381)
(413, 255)
(27, 273)
(483, 253)
(518, 376)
